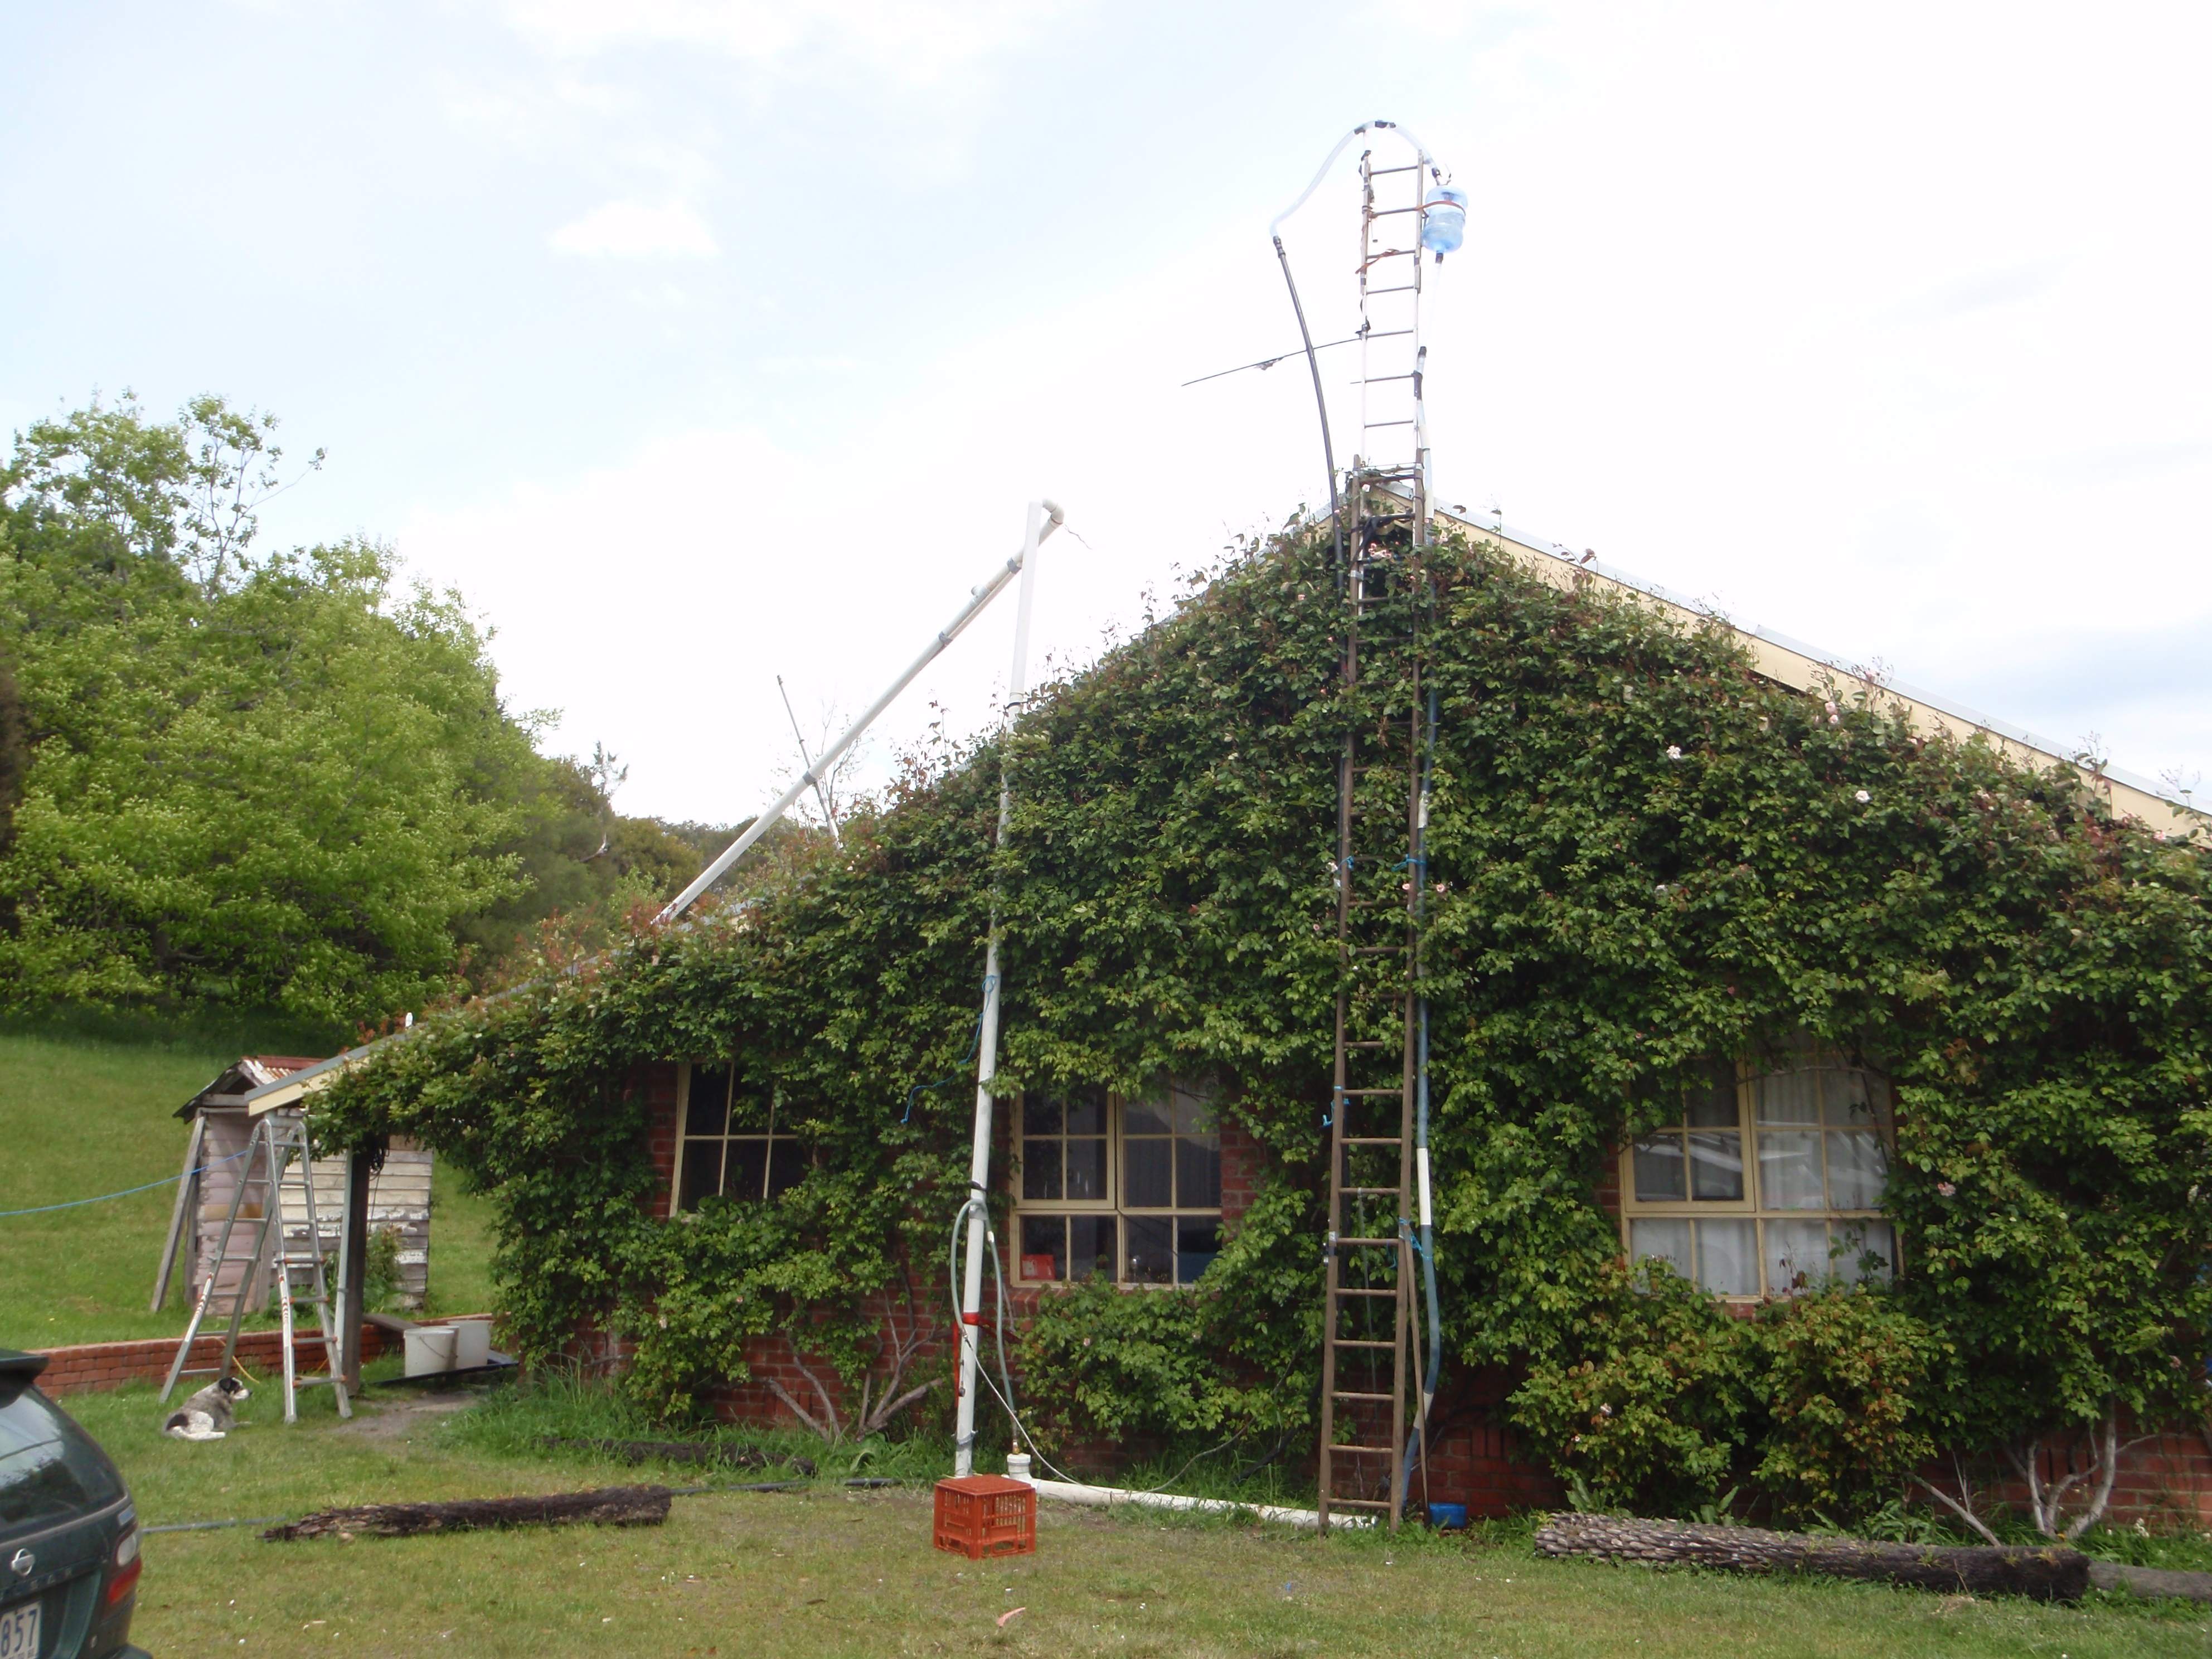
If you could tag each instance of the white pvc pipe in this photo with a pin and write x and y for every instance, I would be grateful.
(767, 820)
(987, 1046)
(1107, 1497)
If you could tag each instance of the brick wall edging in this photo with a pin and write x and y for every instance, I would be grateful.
(89, 1367)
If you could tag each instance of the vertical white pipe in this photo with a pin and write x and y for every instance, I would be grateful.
(987, 1067)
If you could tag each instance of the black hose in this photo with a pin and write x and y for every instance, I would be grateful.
(1321, 402)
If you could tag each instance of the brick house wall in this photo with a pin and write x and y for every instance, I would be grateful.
(1475, 1457)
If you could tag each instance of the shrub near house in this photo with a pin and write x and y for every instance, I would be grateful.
(1876, 1032)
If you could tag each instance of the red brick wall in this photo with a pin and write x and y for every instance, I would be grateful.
(98, 1365)
(656, 1083)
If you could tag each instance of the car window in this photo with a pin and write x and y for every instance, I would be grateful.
(47, 1469)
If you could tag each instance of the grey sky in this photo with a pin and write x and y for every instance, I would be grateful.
(701, 341)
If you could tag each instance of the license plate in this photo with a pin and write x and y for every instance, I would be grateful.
(19, 1632)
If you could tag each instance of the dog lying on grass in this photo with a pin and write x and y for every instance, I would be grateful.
(208, 1415)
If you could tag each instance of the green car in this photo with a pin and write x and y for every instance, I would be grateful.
(69, 1535)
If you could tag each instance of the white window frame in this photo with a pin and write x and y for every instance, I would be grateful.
(1757, 1205)
(1111, 1205)
(768, 1139)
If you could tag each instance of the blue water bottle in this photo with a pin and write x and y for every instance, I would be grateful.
(1444, 227)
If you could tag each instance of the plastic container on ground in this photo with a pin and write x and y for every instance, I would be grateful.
(984, 1515)
(1447, 1517)
(471, 1344)
(430, 1349)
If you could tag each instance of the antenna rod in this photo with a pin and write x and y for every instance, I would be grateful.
(806, 761)
(978, 602)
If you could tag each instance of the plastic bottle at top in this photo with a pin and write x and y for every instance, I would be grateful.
(1444, 227)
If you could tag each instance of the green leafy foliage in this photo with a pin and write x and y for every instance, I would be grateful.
(1642, 855)
(265, 781)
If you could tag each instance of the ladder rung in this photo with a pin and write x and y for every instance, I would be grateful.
(1399, 1089)
(1376, 1243)
(1361, 1342)
(1372, 1141)
(1377, 426)
(1367, 1192)
(1386, 213)
(1373, 1043)
(1342, 1394)
(1383, 1504)
(1384, 173)
(1364, 1451)
(1402, 288)
(1361, 1289)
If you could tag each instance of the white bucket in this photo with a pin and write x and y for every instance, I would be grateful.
(429, 1349)
(471, 1344)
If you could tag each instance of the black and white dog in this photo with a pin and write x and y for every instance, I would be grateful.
(207, 1415)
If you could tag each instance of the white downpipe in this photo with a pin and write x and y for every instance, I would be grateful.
(1107, 1497)
(987, 1042)
(978, 600)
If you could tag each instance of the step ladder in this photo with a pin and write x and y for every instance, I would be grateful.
(1367, 1331)
(275, 1176)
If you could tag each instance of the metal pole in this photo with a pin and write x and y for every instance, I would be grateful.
(977, 1206)
(767, 820)
(820, 797)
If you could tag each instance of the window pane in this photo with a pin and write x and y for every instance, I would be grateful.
(707, 1106)
(1090, 1245)
(1848, 1097)
(1661, 1241)
(1147, 1170)
(1789, 1169)
(1858, 1168)
(1195, 1113)
(1198, 1171)
(1715, 1164)
(1040, 1168)
(1869, 1251)
(1144, 1117)
(787, 1166)
(1659, 1170)
(751, 1113)
(1797, 1256)
(1197, 1241)
(703, 1173)
(1041, 1114)
(1711, 1098)
(1087, 1112)
(746, 1175)
(1044, 1247)
(1151, 1242)
(1086, 1168)
(1788, 1098)
(1728, 1257)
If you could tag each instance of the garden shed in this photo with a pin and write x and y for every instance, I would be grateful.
(1820, 1073)
(399, 1192)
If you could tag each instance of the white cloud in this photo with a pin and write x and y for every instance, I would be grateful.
(917, 41)
(638, 230)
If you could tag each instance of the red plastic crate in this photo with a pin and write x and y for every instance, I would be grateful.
(981, 1515)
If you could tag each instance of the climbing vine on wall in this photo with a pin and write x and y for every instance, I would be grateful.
(1642, 855)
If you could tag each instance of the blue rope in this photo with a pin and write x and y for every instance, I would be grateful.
(79, 1203)
(975, 1041)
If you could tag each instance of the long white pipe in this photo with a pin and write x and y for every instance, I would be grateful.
(987, 1047)
(1420, 150)
(1107, 1497)
(767, 821)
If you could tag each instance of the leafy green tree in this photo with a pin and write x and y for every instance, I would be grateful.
(281, 780)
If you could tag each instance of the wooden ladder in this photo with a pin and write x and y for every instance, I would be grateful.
(1368, 1257)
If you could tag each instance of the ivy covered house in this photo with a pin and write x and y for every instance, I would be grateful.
(1819, 1074)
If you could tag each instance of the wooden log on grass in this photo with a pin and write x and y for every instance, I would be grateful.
(2049, 1573)
(608, 1506)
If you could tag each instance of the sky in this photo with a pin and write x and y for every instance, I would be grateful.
(701, 342)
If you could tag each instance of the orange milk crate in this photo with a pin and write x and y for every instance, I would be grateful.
(981, 1515)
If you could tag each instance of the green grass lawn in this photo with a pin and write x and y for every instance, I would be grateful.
(829, 1571)
(81, 1116)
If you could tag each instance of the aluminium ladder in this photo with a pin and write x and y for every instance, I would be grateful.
(277, 1170)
